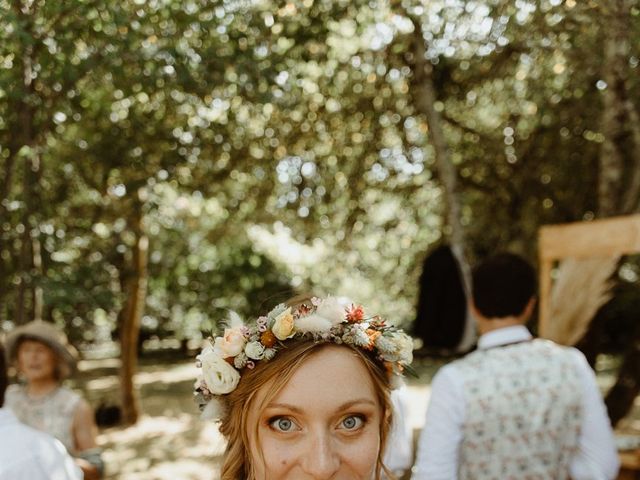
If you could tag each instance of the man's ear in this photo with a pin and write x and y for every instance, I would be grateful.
(472, 308)
(528, 310)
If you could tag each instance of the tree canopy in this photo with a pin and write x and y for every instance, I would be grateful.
(262, 148)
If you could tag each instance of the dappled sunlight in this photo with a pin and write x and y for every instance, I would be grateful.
(169, 441)
(182, 469)
(104, 383)
(150, 427)
(178, 374)
(159, 447)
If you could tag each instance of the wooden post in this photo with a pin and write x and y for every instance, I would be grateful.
(607, 238)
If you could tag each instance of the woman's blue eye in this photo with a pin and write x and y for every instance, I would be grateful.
(282, 424)
(352, 422)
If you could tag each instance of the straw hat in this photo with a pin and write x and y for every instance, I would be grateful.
(48, 334)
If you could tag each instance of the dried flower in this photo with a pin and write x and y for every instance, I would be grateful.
(254, 350)
(321, 320)
(231, 343)
(283, 325)
(219, 377)
(355, 314)
(268, 339)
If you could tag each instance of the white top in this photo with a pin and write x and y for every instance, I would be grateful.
(398, 454)
(438, 450)
(26, 454)
(53, 413)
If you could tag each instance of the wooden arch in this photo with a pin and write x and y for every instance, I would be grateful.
(610, 237)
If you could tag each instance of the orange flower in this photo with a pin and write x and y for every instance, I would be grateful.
(268, 339)
(355, 314)
(373, 334)
(378, 322)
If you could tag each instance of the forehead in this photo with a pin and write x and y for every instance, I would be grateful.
(32, 343)
(329, 378)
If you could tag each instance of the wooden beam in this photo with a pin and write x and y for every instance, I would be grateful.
(609, 237)
(599, 238)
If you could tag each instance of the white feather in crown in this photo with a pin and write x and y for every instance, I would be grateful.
(234, 320)
(313, 323)
(332, 310)
(216, 409)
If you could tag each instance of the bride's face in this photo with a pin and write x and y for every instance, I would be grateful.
(324, 424)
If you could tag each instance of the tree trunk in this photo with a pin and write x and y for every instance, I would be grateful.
(424, 99)
(131, 314)
(615, 120)
(621, 146)
(622, 395)
(25, 152)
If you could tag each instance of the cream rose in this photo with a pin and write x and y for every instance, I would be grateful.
(219, 377)
(231, 343)
(283, 326)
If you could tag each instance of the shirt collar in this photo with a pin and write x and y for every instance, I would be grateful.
(503, 336)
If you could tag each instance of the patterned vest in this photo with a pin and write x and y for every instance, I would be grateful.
(52, 413)
(523, 412)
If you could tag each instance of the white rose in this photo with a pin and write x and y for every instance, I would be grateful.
(231, 343)
(283, 326)
(332, 310)
(254, 350)
(219, 377)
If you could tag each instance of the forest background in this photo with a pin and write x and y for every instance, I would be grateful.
(162, 161)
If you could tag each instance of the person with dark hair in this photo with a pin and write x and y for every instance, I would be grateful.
(516, 407)
(25, 453)
(441, 313)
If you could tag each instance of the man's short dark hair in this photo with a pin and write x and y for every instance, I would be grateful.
(503, 284)
(3, 375)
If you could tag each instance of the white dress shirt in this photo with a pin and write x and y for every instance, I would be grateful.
(440, 439)
(27, 454)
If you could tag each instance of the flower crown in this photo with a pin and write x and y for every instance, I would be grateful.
(224, 358)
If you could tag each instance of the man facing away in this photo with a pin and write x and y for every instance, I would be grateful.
(25, 453)
(517, 407)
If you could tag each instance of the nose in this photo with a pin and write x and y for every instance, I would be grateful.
(322, 459)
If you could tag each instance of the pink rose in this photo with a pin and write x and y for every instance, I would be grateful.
(231, 343)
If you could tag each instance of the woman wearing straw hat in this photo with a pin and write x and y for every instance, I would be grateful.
(44, 358)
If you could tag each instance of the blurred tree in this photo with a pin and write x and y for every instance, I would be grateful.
(619, 182)
(261, 145)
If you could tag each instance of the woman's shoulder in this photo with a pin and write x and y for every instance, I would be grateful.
(68, 397)
(13, 392)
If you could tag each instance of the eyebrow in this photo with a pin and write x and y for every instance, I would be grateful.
(344, 406)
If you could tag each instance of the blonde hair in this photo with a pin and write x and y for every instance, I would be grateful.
(237, 463)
